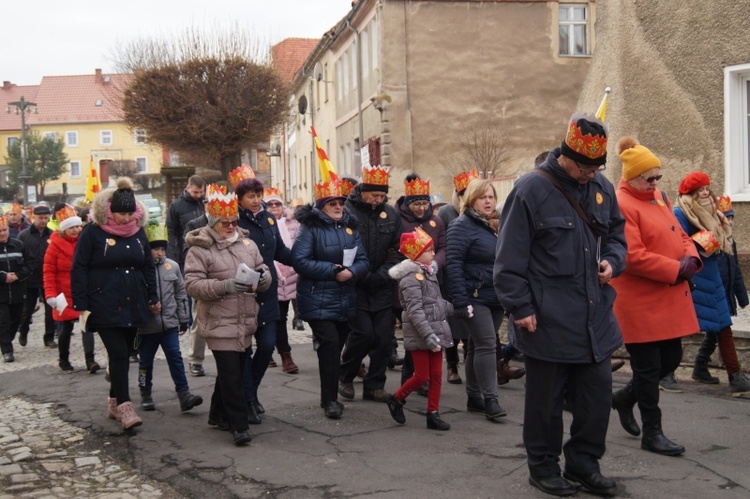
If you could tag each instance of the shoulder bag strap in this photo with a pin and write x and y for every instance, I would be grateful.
(576, 206)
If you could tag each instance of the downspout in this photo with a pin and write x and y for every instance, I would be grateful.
(359, 90)
(312, 141)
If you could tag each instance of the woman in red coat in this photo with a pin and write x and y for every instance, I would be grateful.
(58, 260)
(653, 305)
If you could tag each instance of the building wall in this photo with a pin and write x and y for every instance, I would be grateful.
(665, 63)
(451, 66)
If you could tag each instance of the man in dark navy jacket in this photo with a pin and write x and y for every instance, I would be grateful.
(15, 268)
(552, 273)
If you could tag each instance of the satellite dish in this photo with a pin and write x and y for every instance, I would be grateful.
(318, 72)
(302, 105)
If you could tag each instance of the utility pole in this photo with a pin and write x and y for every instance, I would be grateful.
(21, 107)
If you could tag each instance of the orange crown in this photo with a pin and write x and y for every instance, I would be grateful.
(375, 175)
(66, 212)
(706, 240)
(271, 191)
(413, 244)
(3, 221)
(15, 208)
(724, 203)
(346, 187)
(589, 145)
(239, 174)
(219, 203)
(462, 180)
(417, 187)
(329, 189)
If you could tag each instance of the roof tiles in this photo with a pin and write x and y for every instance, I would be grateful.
(288, 56)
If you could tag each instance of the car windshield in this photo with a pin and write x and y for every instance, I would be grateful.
(151, 203)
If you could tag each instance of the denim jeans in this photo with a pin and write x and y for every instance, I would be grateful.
(256, 363)
(170, 345)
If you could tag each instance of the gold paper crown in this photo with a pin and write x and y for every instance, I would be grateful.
(65, 212)
(346, 187)
(724, 203)
(156, 232)
(706, 240)
(417, 187)
(413, 244)
(239, 174)
(591, 146)
(271, 191)
(3, 221)
(375, 175)
(329, 189)
(219, 203)
(15, 208)
(462, 180)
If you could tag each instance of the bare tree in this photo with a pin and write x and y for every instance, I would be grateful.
(204, 95)
(122, 168)
(484, 147)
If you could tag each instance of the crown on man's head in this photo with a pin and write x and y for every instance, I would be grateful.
(417, 187)
(329, 189)
(219, 203)
(586, 140)
(463, 179)
(413, 244)
(3, 221)
(239, 174)
(375, 175)
(15, 208)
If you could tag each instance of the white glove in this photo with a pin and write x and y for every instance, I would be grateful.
(470, 310)
(52, 302)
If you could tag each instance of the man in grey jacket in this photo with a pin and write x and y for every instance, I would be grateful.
(561, 241)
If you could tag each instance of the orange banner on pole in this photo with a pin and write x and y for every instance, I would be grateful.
(92, 182)
(327, 173)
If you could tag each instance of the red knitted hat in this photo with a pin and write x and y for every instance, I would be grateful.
(693, 181)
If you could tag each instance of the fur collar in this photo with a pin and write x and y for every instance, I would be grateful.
(310, 216)
(99, 208)
(406, 267)
(205, 237)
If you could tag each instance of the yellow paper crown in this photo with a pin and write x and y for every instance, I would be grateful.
(239, 174)
(3, 221)
(332, 188)
(706, 240)
(271, 191)
(413, 244)
(156, 232)
(724, 203)
(15, 208)
(375, 175)
(346, 187)
(64, 213)
(220, 204)
(417, 187)
(462, 180)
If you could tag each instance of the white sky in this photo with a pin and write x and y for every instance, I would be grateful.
(53, 37)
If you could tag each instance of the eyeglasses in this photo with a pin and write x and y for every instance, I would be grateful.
(273, 204)
(335, 202)
(653, 179)
(589, 171)
(420, 204)
(230, 223)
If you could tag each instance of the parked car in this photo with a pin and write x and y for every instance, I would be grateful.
(154, 207)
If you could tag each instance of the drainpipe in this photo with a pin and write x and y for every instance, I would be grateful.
(359, 89)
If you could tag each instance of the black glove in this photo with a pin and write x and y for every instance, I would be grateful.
(183, 327)
(461, 312)
(263, 277)
(688, 268)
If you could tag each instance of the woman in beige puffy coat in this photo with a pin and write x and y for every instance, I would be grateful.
(227, 310)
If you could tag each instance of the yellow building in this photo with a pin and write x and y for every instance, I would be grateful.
(85, 112)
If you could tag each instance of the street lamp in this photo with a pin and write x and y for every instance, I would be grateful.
(22, 106)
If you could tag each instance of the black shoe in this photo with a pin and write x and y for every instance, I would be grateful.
(134, 357)
(252, 414)
(147, 402)
(188, 400)
(333, 409)
(8, 357)
(492, 409)
(394, 361)
(594, 483)
(92, 366)
(258, 407)
(424, 390)
(218, 422)
(658, 443)
(397, 409)
(435, 423)
(196, 370)
(23, 338)
(299, 325)
(241, 437)
(700, 373)
(65, 366)
(623, 402)
(50, 344)
(475, 405)
(554, 484)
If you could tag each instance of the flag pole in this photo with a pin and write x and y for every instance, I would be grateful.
(601, 113)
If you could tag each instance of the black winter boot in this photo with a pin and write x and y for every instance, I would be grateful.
(654, 441)
(623, 401)
(91, 364)
(146, 401)
(435, 423)
(187, 399)
(702, 374)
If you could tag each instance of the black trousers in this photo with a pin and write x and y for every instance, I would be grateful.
(330, 337)
(370, 334)
(119, 342)
(590, 391)
(10, 318)
(228, 399)
(650, 363)
(29, 303)
(282, 332)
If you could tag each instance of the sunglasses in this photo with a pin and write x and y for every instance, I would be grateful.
(230, 223)
(273, 204)
(650, 180)
(335, 202)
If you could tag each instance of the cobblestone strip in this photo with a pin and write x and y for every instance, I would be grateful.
(42, 456)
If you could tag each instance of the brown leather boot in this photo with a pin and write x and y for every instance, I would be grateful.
(505, 372)
(287, 364)
(452, 376)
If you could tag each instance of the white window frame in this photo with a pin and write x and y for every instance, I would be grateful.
(339, 80)
(138, 170)
(103, 135)
(71, 135)
(72, 175)
(365, 40)
(737, 132)
(12, 141)
(374, 44)
(325, 79)
(49, 135)
(140, 137)
(571, 23)
(347, 76)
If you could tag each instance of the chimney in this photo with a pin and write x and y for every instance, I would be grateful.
(98, 77)
(7, 85)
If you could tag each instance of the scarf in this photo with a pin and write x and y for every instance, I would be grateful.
(703, 215)
(123, 230)
(492, 221)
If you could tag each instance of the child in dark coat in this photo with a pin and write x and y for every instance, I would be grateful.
(425, 328)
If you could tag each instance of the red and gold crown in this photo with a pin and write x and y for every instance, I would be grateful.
(329, 189)
(462, 180)
(706, 240)
(724, 203)
(346, 187)
(219, 203)
(591, 146)
(67, 213)
(239, 174)
(271, 191)
(15, 208)
(3, 221)
(413, 244)
(375, 175)
(417, 187)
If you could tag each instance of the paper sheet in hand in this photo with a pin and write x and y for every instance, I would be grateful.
(82, 321)
(246, 275)
(62, 303)
(349, 255)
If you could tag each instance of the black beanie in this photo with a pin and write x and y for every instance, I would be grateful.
(123, 199)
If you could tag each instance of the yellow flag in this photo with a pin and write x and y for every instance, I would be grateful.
(327, 173)
(92, 182)
(601, 113)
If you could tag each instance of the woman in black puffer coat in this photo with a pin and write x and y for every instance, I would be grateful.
(326, 297)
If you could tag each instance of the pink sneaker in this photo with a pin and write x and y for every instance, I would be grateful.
(128, 417)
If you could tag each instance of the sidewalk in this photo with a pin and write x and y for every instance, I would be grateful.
(296, 452)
